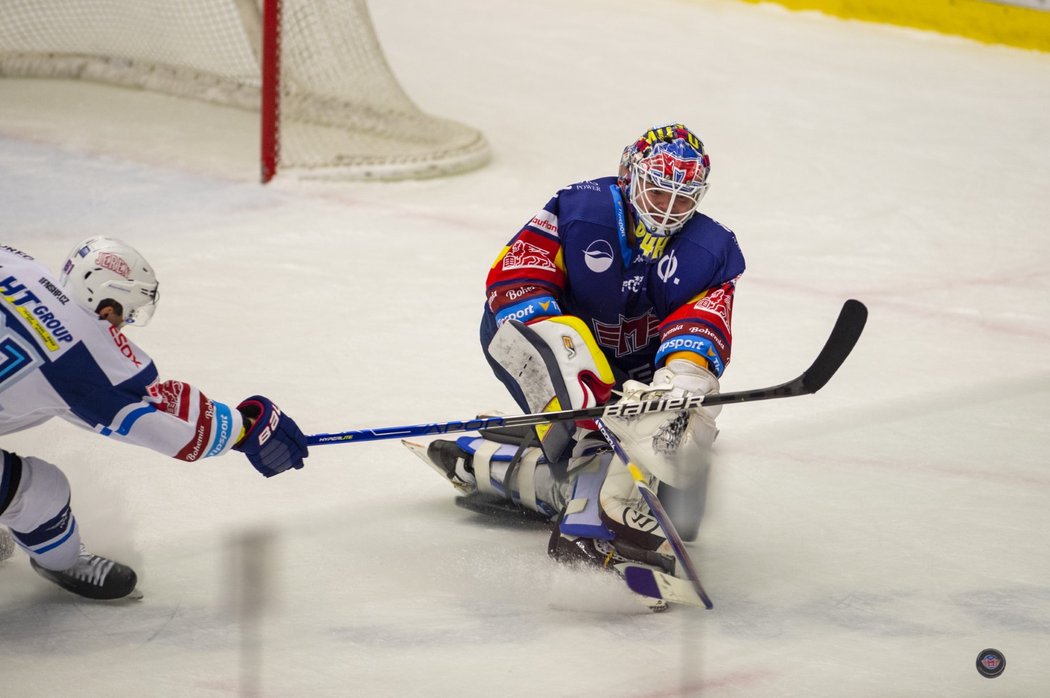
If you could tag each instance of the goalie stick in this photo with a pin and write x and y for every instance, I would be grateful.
(840, 343)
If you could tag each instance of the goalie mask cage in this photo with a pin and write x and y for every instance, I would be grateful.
(329, 104)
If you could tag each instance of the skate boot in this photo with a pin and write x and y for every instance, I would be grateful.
(92, 576)
(451, 461)
(455, 462)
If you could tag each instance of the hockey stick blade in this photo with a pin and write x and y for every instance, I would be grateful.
(844, 336)
(840, 343)
(658, 585)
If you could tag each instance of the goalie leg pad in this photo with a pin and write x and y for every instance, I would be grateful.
(518, 473)
(556, 364)
(625, 513)
(482, 462)
(583, 515)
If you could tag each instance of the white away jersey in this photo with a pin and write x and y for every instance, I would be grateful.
(58, 360)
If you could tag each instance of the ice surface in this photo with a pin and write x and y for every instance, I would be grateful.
(866, 541)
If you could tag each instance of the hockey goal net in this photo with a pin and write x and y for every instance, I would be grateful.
(329, 104)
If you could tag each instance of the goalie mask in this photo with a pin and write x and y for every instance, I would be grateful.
(664, 176)
(102, 270)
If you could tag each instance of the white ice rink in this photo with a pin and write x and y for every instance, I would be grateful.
(866, 541)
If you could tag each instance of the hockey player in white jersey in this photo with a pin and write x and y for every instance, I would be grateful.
(62, 354)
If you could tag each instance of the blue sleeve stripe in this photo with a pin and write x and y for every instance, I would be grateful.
(223, 429)
(529, 310)
(695, 344)
(129, 421)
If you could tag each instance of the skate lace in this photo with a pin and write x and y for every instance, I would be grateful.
(91, 569)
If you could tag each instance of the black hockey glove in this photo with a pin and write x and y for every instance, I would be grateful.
(273, 441)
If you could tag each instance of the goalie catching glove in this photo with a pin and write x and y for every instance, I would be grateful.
(673, 446)
(272, 440)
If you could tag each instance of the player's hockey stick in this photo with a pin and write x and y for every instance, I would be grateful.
(641, 585)
(844, 336)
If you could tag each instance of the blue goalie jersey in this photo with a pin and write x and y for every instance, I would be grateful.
(643, 297)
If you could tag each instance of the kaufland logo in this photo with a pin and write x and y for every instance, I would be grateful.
(546, 221)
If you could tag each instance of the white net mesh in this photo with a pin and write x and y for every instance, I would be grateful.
(342, 111)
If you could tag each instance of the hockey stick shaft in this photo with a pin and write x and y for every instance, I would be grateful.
(840, 343)
(660, 514)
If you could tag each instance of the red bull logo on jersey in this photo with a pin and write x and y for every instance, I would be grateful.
(523, 255)
(717, 302)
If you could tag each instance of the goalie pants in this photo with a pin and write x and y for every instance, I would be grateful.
(34, 504)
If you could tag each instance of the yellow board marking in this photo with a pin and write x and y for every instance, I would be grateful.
(989, 22)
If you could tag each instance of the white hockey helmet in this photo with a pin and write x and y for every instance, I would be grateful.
(102, 269)
(663, 174)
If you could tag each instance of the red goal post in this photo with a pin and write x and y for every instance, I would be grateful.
(329, 104)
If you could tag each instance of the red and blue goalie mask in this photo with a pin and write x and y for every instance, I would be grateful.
(665, 177)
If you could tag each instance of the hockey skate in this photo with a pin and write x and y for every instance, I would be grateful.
(449, 460)
(454, 464)
(93, 577)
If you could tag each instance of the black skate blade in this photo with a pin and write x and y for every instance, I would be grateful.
(134, 597)
(501, 510)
